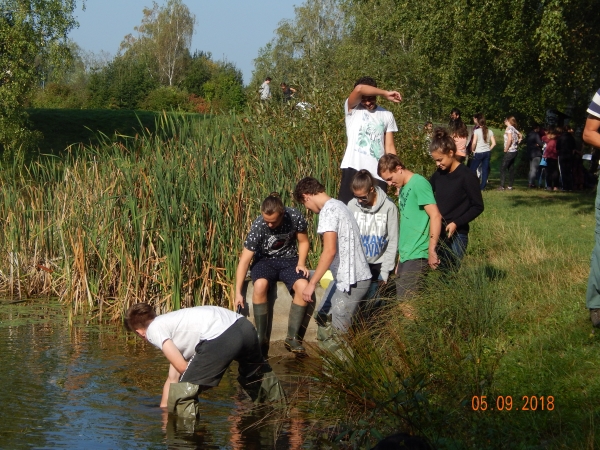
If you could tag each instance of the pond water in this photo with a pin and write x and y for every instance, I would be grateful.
(92, 386)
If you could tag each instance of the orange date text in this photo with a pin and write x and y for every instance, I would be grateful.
(506, 403)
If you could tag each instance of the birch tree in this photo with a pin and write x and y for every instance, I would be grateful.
(165, 35)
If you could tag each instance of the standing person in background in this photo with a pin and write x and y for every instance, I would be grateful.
(551, 156)
(454, 117)
(377, 219)
(265, 89)
(482, 144)
(458, 197)
(511, 142)
(342, 253)
(591, 136)
(287, 92)
(566, 147)
(420, 225)
(370, 131)
(278, 244)
(534, 152)
(460, 134)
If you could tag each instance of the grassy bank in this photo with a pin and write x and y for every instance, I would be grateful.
(511, 323)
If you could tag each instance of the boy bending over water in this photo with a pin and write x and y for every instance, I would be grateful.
(200, 343)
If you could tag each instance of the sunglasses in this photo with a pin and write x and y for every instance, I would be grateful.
(364, 198)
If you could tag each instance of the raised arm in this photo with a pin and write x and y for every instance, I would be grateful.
(240, 276)
(327, 256)
(364, 89)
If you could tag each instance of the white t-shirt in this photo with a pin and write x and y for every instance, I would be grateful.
(514, 134)
(265, 91)
(350, 264)
(186, 327)
(365, 131)
(481, 145)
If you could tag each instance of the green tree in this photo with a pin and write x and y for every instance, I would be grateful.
(164, 35)
(30, 30)
(504, 57)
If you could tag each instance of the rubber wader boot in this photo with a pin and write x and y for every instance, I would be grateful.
(328, 340)
(292, 341)
(264, 386)
(183, 399)
(261, 322)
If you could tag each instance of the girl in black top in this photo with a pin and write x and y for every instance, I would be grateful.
(458, 197)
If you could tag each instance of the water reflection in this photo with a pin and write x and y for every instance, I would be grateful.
(86, 386)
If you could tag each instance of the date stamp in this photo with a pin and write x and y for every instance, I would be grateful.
(506, 403)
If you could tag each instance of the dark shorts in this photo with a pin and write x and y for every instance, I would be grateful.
(279, 269)
(212, 358)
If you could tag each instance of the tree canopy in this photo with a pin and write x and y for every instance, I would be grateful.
(504, 57)
(30, 31)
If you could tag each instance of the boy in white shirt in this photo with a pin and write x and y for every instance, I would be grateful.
(342, 252)
(200, 343)
(370, 132)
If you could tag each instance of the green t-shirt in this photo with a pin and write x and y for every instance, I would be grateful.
(414, 221)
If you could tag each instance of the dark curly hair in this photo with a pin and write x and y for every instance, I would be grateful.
(307, 186)
(366, 80)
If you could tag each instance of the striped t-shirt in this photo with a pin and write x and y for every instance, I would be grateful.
(594, 108)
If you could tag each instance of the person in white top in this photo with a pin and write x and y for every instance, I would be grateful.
(512, 138)
(200, 343)
(342, 252)
(482, 143)
(265, 89)
(369, 129)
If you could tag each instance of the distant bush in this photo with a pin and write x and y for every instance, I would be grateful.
(58, 95)
(166, 98)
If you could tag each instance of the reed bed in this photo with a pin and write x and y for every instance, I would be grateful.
(157, 217)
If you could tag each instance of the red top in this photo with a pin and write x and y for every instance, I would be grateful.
(550, 152)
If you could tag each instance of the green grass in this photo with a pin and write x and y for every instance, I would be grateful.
(511, 322)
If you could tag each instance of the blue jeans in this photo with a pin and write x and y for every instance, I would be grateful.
(452, 250)
(482, 159)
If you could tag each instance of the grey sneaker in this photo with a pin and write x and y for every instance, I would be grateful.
(595, 317)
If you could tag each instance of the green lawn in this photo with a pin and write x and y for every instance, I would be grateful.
(64, 127)
(512, 322)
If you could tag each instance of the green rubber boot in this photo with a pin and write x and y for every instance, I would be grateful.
(292, 341)
(261, 322)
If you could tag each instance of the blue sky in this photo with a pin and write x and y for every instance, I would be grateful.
(231, 29)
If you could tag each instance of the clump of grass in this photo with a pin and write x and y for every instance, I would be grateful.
(510, 322)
